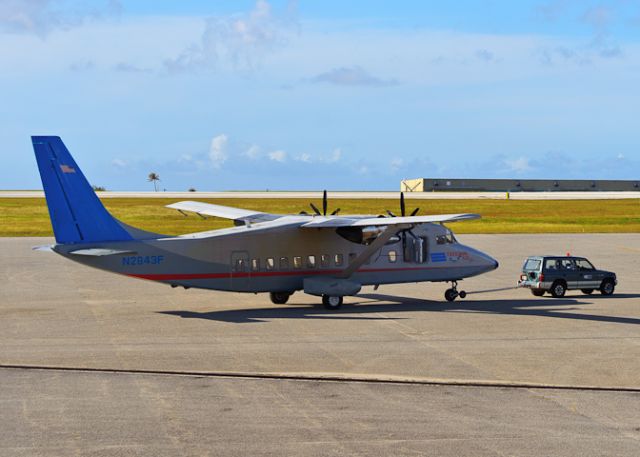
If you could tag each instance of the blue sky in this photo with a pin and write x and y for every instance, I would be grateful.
(223, 95)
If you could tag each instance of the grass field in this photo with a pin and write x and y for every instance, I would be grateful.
(29, 216)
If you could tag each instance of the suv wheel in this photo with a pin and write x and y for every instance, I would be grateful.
(607, 287)
(558, 289)
(586, 291)
(538, 292)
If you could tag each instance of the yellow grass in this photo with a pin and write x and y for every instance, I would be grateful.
(29, 216)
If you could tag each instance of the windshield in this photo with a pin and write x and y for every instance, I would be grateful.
(584, 264)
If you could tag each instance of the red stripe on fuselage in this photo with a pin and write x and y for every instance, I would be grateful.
(183, 276)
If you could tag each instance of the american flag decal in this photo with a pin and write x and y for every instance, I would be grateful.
(67, 169)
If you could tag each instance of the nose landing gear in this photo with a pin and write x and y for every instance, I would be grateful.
(452, 294)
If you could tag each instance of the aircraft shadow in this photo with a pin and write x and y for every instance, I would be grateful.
(378, 303)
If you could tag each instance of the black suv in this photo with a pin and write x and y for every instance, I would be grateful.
(556, 275)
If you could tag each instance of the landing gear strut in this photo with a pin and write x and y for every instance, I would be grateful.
(452, 294)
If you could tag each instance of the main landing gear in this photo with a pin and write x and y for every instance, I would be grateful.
(452, 294)
(332, 301)
(279, 298)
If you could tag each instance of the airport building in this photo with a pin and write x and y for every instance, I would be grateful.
(515, 185)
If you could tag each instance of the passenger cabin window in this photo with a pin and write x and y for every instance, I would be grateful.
(311, 261)
(324, 260)
(392, 256)
(297, 262)
(240, 265)
(338, 259)
(255, 264)
(269, 263)
(284, 263)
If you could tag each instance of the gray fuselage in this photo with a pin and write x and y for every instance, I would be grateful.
(278, 259)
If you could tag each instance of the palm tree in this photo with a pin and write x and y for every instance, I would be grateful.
(154, 178)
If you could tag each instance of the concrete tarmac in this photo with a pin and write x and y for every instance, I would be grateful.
(54, 313)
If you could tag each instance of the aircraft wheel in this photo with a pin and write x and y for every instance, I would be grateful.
(462, 294)
(279, 298)
(332, 301)
(450, 294)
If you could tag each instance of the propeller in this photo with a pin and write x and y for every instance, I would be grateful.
(403, 212)
(324, 207)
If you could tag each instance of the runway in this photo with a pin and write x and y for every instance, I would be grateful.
(353, 195)
(397, 371)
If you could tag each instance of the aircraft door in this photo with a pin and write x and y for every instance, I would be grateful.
(240, 274)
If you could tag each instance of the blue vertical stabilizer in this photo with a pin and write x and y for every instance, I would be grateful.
(77, 214)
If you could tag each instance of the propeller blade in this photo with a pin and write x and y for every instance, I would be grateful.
(390, 213)
(415, 211)
(324, 203)
(402, 209)
(335, 212)
(316, 210)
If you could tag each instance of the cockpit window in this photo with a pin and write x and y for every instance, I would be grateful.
(447, 238)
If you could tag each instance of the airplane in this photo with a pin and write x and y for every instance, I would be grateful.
(329, 256)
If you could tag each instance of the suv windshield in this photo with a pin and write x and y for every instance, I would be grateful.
(532, 264)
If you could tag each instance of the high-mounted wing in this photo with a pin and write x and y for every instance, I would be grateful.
(226, 212)
(328, 222)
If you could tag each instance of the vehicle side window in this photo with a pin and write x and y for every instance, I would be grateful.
(337, 259)
(270, 264)
(567, 264)
(584, 264)
(393, 256)
(240, 265)
(255, 264)
(297, 262)
(284, 263)
(551, 264)
(311, 261)
(324, 260)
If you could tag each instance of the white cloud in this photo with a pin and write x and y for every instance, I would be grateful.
(304, 157)
(334, 157)
(242, 40)
(40, 17)
(278, 156)
(396, 163)
(218, 150)
(519, 165)
(253, 152)
(352, 76)
(119, 163)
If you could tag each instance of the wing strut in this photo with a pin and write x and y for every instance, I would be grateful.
(373, 247)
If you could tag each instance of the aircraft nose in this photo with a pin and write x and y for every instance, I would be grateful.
(487, 260)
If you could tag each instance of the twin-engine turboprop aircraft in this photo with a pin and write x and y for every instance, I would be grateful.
(330, 256)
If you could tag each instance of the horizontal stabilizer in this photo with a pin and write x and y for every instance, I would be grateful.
(99, 252)
(225, 212)
(45, 248)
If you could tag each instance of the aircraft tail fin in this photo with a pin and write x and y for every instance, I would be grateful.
(77, 214)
